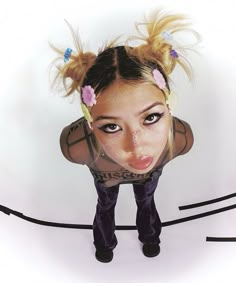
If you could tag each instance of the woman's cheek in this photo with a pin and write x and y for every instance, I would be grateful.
(110, 147)
(113, 149)
(106, 141)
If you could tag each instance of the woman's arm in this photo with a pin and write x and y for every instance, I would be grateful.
(183, 137)
(74, 142)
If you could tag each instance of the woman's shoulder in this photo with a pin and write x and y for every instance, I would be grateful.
(75, 142)
(182, 137)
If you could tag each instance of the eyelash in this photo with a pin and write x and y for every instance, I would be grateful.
(156, 115)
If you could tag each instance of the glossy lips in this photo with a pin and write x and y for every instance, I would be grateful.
(141, 163)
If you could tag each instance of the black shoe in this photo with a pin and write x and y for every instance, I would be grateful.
(151, 250)
(104, 256)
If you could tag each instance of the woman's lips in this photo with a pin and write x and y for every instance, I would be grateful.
(141, 163)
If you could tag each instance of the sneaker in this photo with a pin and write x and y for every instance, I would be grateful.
(104, 256)
(151, 249)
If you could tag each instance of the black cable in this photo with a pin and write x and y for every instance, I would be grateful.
(9, 211)
(200, 215)
(189, 206)
(220, 239)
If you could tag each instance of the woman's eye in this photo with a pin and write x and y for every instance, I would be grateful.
(110, 128)
(152, 118)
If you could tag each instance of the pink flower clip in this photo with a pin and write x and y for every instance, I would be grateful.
(88, 95)
(159, 79)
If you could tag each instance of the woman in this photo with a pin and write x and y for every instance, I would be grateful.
(128, 133)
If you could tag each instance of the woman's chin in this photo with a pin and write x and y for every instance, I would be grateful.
(139, 171)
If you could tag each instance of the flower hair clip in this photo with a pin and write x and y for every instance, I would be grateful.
(172, 101)
(159, 79)
(86, 113)
(67, 54)
(88, 100)
(171, 98)
(88, 96)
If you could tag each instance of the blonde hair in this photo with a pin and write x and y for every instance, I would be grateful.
(158, 38)
(152, 51)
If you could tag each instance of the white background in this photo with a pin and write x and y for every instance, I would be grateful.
(36, 179)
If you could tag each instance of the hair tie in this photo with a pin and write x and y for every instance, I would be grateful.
(169, 38)
(173, 54)
(67, 54)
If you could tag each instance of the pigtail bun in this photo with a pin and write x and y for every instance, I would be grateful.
(159, 41)
(73, 72)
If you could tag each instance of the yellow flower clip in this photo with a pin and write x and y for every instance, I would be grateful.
(172, 101)
(86, 113)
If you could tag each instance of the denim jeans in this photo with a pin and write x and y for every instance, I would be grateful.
(147, 219)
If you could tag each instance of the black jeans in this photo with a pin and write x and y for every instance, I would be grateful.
(147, 219)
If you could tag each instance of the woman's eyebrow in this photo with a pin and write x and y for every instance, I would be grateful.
(104, 117)
(150, 107)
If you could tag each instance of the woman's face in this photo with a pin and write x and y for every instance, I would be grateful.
(132, 123)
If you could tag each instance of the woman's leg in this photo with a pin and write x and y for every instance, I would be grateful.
(147, 219)
(104, 221)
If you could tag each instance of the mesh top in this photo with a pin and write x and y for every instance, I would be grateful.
(78, 144)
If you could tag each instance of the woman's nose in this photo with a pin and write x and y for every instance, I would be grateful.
(133, 141)
(135, 137)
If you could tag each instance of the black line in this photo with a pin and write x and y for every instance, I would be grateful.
(87, 135)
(200, 215)
(9, 211)
(220, 239)
(206, 202)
